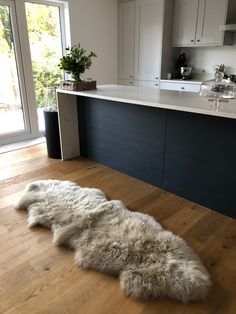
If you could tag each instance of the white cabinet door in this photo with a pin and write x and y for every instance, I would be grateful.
(146, 83)
(211, 14)
(148, 39)
(126, 82)
(182, 87)
(126, 39)
(197, 22)
(185, 21)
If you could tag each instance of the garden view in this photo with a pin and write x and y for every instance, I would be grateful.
(43, 23)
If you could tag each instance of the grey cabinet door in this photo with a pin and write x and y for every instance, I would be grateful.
(185, 21)
(200, 160)
(211, 14)
(126, 40)
(126, 137)
(149, 19)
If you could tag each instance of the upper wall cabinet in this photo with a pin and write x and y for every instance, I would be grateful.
(197, 22)
(185, 21)
(140, 39)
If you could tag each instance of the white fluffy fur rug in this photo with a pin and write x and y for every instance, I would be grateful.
(107, 237)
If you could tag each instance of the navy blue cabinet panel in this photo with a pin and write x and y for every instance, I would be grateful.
(126, 137)
(200, 160)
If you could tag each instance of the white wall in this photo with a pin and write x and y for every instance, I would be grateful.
(206, 57)
(94, 24)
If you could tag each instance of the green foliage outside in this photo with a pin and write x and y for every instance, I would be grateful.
(45, 44)
(44, 76)
(41, 20)
(5, 31)
(9, 94)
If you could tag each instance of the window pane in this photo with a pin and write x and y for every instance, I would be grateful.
(11, 114)
(43, 23)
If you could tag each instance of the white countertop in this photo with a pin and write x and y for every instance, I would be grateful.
(154, 97)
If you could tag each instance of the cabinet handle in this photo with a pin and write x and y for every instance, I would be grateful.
(157, 78)
(192, 40)
(131, 83)
(198, 40)
(156, 84)
(182, 87)
(131, 76)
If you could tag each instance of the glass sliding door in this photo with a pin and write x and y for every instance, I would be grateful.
(13, 110)
(32, 39)
(45, 38)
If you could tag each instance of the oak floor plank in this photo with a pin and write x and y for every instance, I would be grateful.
(12, 281)
(16, 156)
(204, 229)
(38, 290)
(37, 277)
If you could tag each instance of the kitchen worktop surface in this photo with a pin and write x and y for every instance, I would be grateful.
(154, 97)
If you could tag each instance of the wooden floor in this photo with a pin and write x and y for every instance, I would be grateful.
(37, 277)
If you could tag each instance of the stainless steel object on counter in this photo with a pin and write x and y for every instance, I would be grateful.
(230, 78)
(185, 71)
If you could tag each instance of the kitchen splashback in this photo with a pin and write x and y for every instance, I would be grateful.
(203, 60)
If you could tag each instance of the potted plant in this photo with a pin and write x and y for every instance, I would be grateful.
(75, 63)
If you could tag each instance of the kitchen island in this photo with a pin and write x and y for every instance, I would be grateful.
(175, 140)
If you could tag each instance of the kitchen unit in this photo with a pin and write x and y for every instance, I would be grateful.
(141, 42)
(151, 33)
(181, 85)
(177, 141)
(197, 23)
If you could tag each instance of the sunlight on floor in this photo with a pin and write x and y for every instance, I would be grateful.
(21, 144)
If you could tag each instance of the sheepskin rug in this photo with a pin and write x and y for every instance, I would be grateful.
(150, 261)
